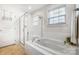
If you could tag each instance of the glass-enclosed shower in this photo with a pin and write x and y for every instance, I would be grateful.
(30, 28)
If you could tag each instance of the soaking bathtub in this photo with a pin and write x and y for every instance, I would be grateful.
(49, 47)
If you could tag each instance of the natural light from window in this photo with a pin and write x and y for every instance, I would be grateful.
(56, 16)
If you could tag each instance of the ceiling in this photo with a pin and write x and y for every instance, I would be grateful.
(16, 10)
(19, 9)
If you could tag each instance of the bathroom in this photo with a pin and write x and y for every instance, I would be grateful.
(45, 36)
(40, 28)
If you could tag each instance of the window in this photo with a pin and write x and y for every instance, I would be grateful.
(57, 16)
(35, 20)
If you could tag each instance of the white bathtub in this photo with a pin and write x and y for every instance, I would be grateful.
(35, 49)
(49, 47)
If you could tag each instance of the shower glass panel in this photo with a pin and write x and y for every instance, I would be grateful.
(25, 28)
(21, 30)
(36, 28)
(30, 28)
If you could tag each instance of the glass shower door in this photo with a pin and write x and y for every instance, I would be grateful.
(23, 34)
(25, 29)
(21, 30)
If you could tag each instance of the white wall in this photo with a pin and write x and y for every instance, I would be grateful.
(60, 31)
(7, 37)
(7, 33)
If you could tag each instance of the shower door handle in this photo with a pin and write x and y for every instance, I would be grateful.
(27, 36)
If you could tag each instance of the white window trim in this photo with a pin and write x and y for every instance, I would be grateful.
(54, 9)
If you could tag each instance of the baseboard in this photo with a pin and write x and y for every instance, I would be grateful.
(7, 45)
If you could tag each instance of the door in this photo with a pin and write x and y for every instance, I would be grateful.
(23, 29)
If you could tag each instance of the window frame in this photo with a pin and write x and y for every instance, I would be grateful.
(35, 21)
(56, 16)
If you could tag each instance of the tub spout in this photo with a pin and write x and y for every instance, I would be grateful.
(35, 39)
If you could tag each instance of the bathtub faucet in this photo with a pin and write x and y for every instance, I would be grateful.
(35, 39)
